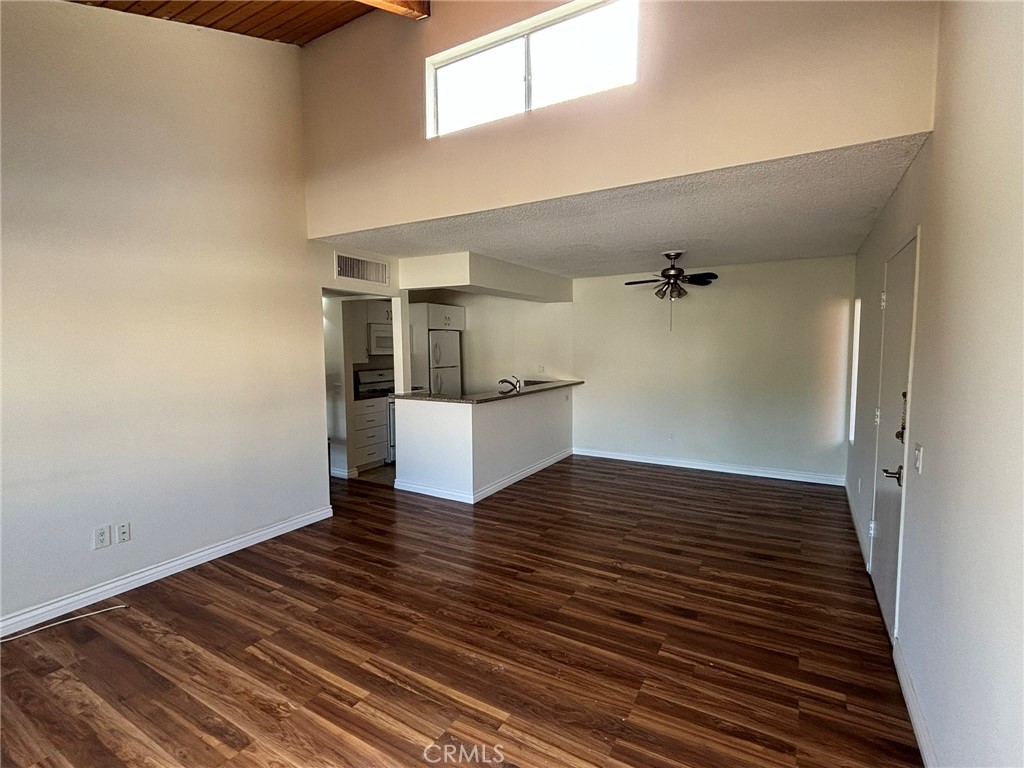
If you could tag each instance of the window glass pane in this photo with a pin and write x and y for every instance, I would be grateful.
(586, 54)
(485, 86)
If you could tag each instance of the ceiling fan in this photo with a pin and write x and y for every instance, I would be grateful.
(672, 278)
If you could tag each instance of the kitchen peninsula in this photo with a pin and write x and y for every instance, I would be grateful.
(467, 447)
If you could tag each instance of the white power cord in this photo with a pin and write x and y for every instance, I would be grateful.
(62, 621)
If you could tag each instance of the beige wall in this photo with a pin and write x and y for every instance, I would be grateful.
(336, 384)
(162, 338)
(720, 84)
(510, 337)
(752, 377)
(480, 274)
(895, 228)
(961, 598)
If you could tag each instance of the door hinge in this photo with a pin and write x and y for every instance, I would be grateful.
(878, 416)
(871, 529)
(883, 299)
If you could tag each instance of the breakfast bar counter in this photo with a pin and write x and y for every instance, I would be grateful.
(490, 397)
(467, 447)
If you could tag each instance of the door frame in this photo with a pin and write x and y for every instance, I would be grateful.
(904, 242)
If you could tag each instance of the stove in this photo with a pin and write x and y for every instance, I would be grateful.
(379, 383)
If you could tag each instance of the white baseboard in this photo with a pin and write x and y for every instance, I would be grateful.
(732, 469)
(344, 474)
(430, 490)
(477, 495)
(924, 742)
(28, 617)
(515, 477)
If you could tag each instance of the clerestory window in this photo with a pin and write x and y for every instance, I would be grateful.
(576, 50)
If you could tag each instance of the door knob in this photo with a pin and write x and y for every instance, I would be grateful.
(896, 473)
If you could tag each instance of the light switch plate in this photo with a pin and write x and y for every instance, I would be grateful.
(918, 457)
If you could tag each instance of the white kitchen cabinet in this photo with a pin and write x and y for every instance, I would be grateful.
(353, 322)
(368, 433)
(369, 420)
(444, 317)
(378, 311)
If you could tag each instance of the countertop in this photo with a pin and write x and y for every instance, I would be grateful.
(488, 397)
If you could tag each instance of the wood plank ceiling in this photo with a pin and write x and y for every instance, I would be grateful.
(287, 21)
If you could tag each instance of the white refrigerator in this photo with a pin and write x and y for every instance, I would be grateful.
(445, 363)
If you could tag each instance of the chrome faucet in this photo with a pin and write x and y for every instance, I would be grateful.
(512, 383)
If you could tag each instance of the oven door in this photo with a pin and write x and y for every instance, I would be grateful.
(381, 341)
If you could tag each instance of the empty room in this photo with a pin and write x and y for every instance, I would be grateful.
(512, 383)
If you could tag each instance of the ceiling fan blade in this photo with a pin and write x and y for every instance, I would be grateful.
(702, 276)
(641, 282)
(697, 282)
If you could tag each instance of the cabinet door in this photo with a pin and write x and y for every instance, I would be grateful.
(378, 311)
(444, 317)
(353, 322)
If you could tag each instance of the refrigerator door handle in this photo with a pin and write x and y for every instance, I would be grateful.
(437, 353)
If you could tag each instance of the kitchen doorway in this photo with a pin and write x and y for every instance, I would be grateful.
(358, 366)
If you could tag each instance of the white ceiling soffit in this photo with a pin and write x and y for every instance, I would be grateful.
(805, 206)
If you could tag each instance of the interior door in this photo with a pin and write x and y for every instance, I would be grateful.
(891, 454)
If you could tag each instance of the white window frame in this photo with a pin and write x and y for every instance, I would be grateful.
(520, 29)
(854, 368)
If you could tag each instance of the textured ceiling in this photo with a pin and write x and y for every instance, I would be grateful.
(806, 206)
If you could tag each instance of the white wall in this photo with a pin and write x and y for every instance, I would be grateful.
(894, 229)
(752, 378)
(510, 337)
(434, 447)
(516, 437)
(162, 337)
(336, 385)
(961, 596)
(720, 84)
(467, 452)
(472, 272)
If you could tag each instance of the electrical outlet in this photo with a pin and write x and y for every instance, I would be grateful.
(540, 369)
(101, 537)
(124, 532)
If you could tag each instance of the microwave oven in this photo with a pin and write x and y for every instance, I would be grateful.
(381, 340)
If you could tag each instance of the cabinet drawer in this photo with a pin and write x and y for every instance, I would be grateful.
(376, 405)
(363, 437)
(369, 453)
(369, 420)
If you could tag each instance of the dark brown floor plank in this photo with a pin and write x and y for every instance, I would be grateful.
(579, 618)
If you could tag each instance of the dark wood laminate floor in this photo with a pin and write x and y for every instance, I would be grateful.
(597, 613)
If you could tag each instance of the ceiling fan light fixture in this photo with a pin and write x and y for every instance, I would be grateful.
(672, 278)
